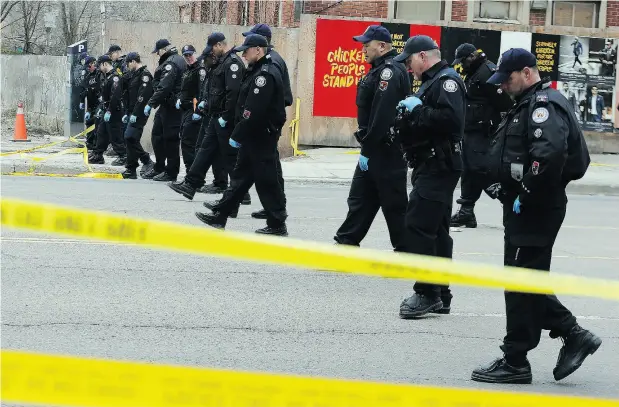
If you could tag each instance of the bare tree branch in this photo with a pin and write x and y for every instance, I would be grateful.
(7, 6)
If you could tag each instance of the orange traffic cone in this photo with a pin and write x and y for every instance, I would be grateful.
(20, 124)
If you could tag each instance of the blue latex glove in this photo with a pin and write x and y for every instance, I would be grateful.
(147, 110)
(234, 143)
(222, 122)
(195, 117)
(410, 103)
(133, 119)
(107, 116)
(363, 163)
(87, 116)
(81, 106)
(124, 119)
(178, 104)
(202, 105)
(517, 205)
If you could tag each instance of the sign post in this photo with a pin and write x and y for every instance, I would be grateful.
(74, 120)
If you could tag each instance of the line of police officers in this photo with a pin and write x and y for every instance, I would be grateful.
(506, 132)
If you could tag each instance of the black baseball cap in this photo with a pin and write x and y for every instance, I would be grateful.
(415, 45)
(512, 60)
(161, 44)
(132, 56)
(252, 40)
(213, 39)
(374, 32)
(463, 51)
(188, 50)
(89, 60)
(260, 29)
(104, 58)
(113, 48)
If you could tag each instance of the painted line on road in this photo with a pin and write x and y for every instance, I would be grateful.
(104, 243)
(499, 315)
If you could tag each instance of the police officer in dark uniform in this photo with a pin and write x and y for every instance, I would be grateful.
(223, 93)
(260, 115)
(485, 104)
(379, 181)
(110, 129)
(166, 128)
(139, 91)
(190, 90)
(431, 130)
(278, 61)
(91, 87)
(537, 150)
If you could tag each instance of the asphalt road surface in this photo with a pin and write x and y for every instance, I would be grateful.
(69, 296)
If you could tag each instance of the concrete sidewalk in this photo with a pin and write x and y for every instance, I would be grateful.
(318, 165)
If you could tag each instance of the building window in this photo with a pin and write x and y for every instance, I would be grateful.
(576, 14)
(496, 10)
(426, 11)
(298, 9)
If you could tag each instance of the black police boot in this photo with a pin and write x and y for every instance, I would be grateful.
(499, 371)
(96, 159)
(212, 189)
(246, 200)
(183, 188)
(120, 161)
(212, 219)
(446, 307)
(151, 174)
(464, 217)
(577, 345)
(146, 168)
(419, 305)
(164, 177)
(261, 214)
(212, 205)
(278, 231)
(110, 152)
(130, 174)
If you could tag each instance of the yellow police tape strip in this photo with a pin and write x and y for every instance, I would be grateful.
(81, 150)
(69, 381)
(319, 256)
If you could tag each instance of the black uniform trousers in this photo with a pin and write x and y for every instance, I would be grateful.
(91, 137)
(215, 145)
(166, 140)
(135, 151)
(257, 163)
(189, 137)
(529, 239)
(428, 217)
(382, 186)
(475, 148)
(219, 172)
(110, 132)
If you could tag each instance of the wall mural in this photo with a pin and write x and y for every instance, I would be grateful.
(583, 69)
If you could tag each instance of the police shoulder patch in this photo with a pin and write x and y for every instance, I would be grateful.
(234, 67)
(383, 85)
(202, 72)
(540, 115)
(535, 167)
(145, 78)
(246, 114)
(256, 91)
(168, 67)
(386, 74)
(261, 81)
(537, 133)
(116, 79)
(450, 85)
(541, 98)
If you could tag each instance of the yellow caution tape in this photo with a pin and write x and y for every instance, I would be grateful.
(49, 218)
(69, 381)
(80, 150)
